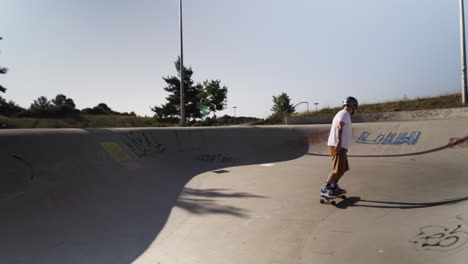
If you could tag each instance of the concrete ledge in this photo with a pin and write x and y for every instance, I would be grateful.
(435, 114)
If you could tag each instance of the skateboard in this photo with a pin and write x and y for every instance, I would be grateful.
(331, 200)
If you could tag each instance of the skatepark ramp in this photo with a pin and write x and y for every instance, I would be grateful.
(233, 195)
(103, 195)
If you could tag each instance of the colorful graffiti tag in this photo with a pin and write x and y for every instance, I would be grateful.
(391, 138)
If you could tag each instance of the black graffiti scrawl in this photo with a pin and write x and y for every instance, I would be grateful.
(142, 144)
(215, 158)
(440, 238)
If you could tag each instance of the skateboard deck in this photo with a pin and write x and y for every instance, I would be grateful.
(331, 200)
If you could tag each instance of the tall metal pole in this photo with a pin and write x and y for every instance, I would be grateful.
(234, 114)
(303, 103)
(182, 103)
(463, 53)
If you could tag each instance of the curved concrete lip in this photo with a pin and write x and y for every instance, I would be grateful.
(234, 195)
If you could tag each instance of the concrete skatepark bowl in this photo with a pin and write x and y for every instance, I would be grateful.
(234, 195)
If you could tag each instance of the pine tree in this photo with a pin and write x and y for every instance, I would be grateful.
(171, 110)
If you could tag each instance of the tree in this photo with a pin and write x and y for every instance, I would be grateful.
(100, 109)
(62, 100)
(3, 70)
(41, 107)
(59, 107)
(282, 105)
(41, 103)
(213, 96)
(171, 110)
(9, 108)
(63, 107)
(167, 112)
(104, 108)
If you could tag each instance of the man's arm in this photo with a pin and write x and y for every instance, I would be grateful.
(340, 136)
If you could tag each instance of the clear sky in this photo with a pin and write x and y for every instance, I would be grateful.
(317, 51)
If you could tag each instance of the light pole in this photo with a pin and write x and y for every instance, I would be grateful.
(182, 103)
(234, 114)
(316, 106)
(303, 103)
(463, 53)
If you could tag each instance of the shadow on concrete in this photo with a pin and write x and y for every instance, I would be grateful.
(216, 193)
(348, 202)
(406, 205)
(103, 196)
(358, 202)
(199, 201)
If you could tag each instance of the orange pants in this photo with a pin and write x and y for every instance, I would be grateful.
(339, 160)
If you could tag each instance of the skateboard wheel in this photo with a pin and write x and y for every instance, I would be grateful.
(343, 196)
(322, 201)
(333, 202)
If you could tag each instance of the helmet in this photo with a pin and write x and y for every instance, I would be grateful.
(351, 102)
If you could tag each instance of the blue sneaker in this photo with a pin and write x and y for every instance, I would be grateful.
(323, 191)
(327, 192)
(337, 188)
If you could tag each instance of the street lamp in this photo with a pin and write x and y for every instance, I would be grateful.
(316, 106)
(463, 53)
(303, 103)
(182, 103)
(234, 114)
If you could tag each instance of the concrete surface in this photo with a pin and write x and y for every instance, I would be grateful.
(234, 195)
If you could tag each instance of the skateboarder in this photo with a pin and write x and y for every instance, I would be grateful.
(339, 142)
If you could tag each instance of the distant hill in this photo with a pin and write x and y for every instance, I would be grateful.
(427, 103)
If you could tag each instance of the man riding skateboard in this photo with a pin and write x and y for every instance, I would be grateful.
(339, 142)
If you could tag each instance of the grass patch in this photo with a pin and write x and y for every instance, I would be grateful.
(428, 103)
(84, 121)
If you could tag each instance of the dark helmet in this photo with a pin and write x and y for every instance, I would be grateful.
(351, 102)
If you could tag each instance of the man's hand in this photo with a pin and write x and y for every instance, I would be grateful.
(338, 148)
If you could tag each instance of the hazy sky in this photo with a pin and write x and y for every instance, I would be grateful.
(117, 51)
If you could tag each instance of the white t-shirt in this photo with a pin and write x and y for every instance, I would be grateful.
(345, 117)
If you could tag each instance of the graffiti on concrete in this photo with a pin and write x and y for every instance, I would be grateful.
(440, 238)
(391, 138)
(432, 113)
(463, 143)
(215, 158)
(143, 145)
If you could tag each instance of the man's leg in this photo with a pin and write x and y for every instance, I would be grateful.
(327, 189)
(343, 165)
(332, 178)
(338, 178)
(334, 175)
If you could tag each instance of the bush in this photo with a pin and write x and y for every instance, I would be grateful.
(9, 108)
(61, 111)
